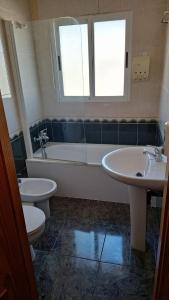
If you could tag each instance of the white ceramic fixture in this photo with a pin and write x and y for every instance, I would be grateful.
(35, 224)
(138, 169)
(38, 191)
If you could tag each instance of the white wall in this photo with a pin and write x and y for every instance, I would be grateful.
(164, 99)
(17, 10)
(148, 36)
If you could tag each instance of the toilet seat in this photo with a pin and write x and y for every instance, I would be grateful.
(34, 220)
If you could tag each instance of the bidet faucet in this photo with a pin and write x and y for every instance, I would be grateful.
(157, 153)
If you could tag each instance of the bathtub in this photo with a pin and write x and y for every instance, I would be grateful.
(78, 172)
(80, 153)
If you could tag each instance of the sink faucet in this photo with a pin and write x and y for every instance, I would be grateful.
(157, 153)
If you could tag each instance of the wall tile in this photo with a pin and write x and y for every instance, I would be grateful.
(34, 132)
(48, 125)
(19, 153)
(160, 140)
(41, 125)
(73, 132)
(92, 132)
(128, 134)
(124, 132)
(109, 133)
(147, 134)
(57, 129)
(68, 132)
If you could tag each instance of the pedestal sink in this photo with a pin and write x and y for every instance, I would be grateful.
(140, 171)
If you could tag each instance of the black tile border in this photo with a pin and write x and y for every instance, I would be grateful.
(16, 136)
(18, 141)
(101, 136)
(96, 136)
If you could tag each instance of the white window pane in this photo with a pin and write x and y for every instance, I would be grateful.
(4, 85)
(74, 58)
(109, 53)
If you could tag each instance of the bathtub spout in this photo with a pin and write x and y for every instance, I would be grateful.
(44, 154)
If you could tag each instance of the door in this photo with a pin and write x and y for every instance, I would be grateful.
(16, 271)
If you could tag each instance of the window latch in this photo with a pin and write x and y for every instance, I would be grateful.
(59, 63)
(127, 59)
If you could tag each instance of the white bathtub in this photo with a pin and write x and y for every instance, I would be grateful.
(81, 153)
(77, 170)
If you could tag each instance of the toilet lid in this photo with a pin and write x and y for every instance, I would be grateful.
(34, 218)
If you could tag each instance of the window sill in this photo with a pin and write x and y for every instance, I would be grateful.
(94, 99)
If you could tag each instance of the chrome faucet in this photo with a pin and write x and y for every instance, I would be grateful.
(157, 153)
(42, 139)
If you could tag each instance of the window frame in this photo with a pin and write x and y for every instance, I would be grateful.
(59, 76)
(89, 20)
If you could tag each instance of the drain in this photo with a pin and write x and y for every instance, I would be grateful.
(138, 174)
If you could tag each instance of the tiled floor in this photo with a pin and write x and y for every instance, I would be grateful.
(85, 253)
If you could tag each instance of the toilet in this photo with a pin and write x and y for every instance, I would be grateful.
(35, 224)
(38, 192)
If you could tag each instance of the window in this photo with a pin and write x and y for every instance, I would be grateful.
(94, 58)
(109, 54)
(75, 62)
(4, 84)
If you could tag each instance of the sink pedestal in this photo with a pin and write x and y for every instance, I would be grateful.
(138, 213)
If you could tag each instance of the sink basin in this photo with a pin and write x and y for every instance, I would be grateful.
(140, 171)
(133, 167)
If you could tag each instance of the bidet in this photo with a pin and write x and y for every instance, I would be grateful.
(38, 191)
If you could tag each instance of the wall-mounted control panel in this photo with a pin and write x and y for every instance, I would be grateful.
(141, 67)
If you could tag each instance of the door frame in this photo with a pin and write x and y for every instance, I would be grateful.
(14, 241)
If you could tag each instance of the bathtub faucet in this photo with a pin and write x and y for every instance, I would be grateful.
(42, 139)
(43, 135)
